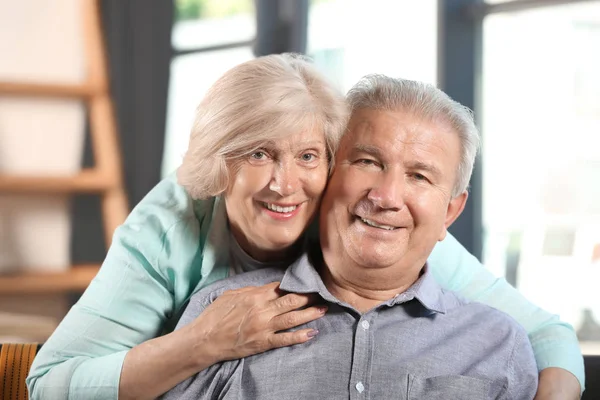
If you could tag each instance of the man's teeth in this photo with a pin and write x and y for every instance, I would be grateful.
(376, 225)
(279, 209)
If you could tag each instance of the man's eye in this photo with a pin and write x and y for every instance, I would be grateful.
(419, 177)
(365, 161)
(259, 155)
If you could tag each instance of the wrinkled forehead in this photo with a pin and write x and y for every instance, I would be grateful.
(295, 140)
(276, 133)
(373, 128)
(390, 129)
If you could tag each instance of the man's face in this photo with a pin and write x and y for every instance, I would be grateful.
(389, 199)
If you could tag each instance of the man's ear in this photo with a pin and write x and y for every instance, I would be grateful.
(455, 208)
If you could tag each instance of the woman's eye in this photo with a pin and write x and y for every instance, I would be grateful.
(259, 155)
(308, 157)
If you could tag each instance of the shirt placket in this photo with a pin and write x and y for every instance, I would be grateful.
(360, 377)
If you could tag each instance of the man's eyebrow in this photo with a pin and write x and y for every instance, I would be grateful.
(368, 149)
(423, 166)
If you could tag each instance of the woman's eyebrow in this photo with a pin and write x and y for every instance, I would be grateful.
(309, 144)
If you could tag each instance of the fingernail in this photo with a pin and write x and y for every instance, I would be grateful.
(322, 309)
(312, 333)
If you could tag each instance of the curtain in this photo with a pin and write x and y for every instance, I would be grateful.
(137, 37)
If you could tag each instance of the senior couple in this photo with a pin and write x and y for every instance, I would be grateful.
(242, 277)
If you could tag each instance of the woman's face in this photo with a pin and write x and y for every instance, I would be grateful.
(275, 192)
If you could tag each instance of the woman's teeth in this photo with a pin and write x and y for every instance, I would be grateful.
(279, 209)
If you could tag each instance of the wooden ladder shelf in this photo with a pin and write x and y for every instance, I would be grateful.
(104, 179)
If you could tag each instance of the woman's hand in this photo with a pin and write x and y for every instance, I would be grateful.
(557, 384)
(238, 324)
(248, 321)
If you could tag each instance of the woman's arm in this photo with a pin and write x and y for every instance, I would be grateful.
(558, 384)
(95, 352)
(124, 305)
(554, 342)
(238, 324)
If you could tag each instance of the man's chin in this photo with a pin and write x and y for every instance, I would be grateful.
(371, 259)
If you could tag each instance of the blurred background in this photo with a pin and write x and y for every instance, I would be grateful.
(530, 69)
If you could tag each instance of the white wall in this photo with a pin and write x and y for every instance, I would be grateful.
(40, 41)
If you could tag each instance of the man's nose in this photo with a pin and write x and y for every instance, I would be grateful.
(286, 178)
(388, 191)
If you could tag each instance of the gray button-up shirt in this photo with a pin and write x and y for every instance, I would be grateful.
(426, 343)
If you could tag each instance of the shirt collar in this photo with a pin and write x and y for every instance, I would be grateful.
(301, 277)
(426, 290)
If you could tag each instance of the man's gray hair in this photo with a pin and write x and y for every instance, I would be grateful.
(380, 92)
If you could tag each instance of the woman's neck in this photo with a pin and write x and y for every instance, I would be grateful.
(268, 255)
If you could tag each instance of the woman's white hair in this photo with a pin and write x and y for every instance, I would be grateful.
(258, 101)
(380, 92)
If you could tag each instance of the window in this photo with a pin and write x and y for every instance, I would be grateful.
(346, 38)
(209, 37)
(541, 158)
(352, 38)
(499, 1)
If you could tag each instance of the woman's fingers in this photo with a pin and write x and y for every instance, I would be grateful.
(292, 301)
(267, 292)
(291, 338)
(247, 321)
(293, 319)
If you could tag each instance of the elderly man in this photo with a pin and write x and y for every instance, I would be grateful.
(399, 182)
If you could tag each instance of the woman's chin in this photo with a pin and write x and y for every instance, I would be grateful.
(281, 245)
(280, 242)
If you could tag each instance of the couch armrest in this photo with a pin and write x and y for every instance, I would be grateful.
(15, 361)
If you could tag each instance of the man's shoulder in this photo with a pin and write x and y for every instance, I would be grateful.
(481, 315)
(258, 277)
(202, 299)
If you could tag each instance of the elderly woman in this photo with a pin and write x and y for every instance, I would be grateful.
(249, 186)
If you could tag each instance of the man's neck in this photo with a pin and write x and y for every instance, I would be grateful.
(366, 289)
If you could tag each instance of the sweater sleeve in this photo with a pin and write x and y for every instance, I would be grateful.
(148, 272)
(554, 342)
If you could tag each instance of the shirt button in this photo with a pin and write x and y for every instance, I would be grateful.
(360, 387)
(365, 325)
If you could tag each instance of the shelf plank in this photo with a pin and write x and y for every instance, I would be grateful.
(73, 91)
(87, 181)
(76, 279)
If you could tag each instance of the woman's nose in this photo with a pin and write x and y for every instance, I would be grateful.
(286, 179)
